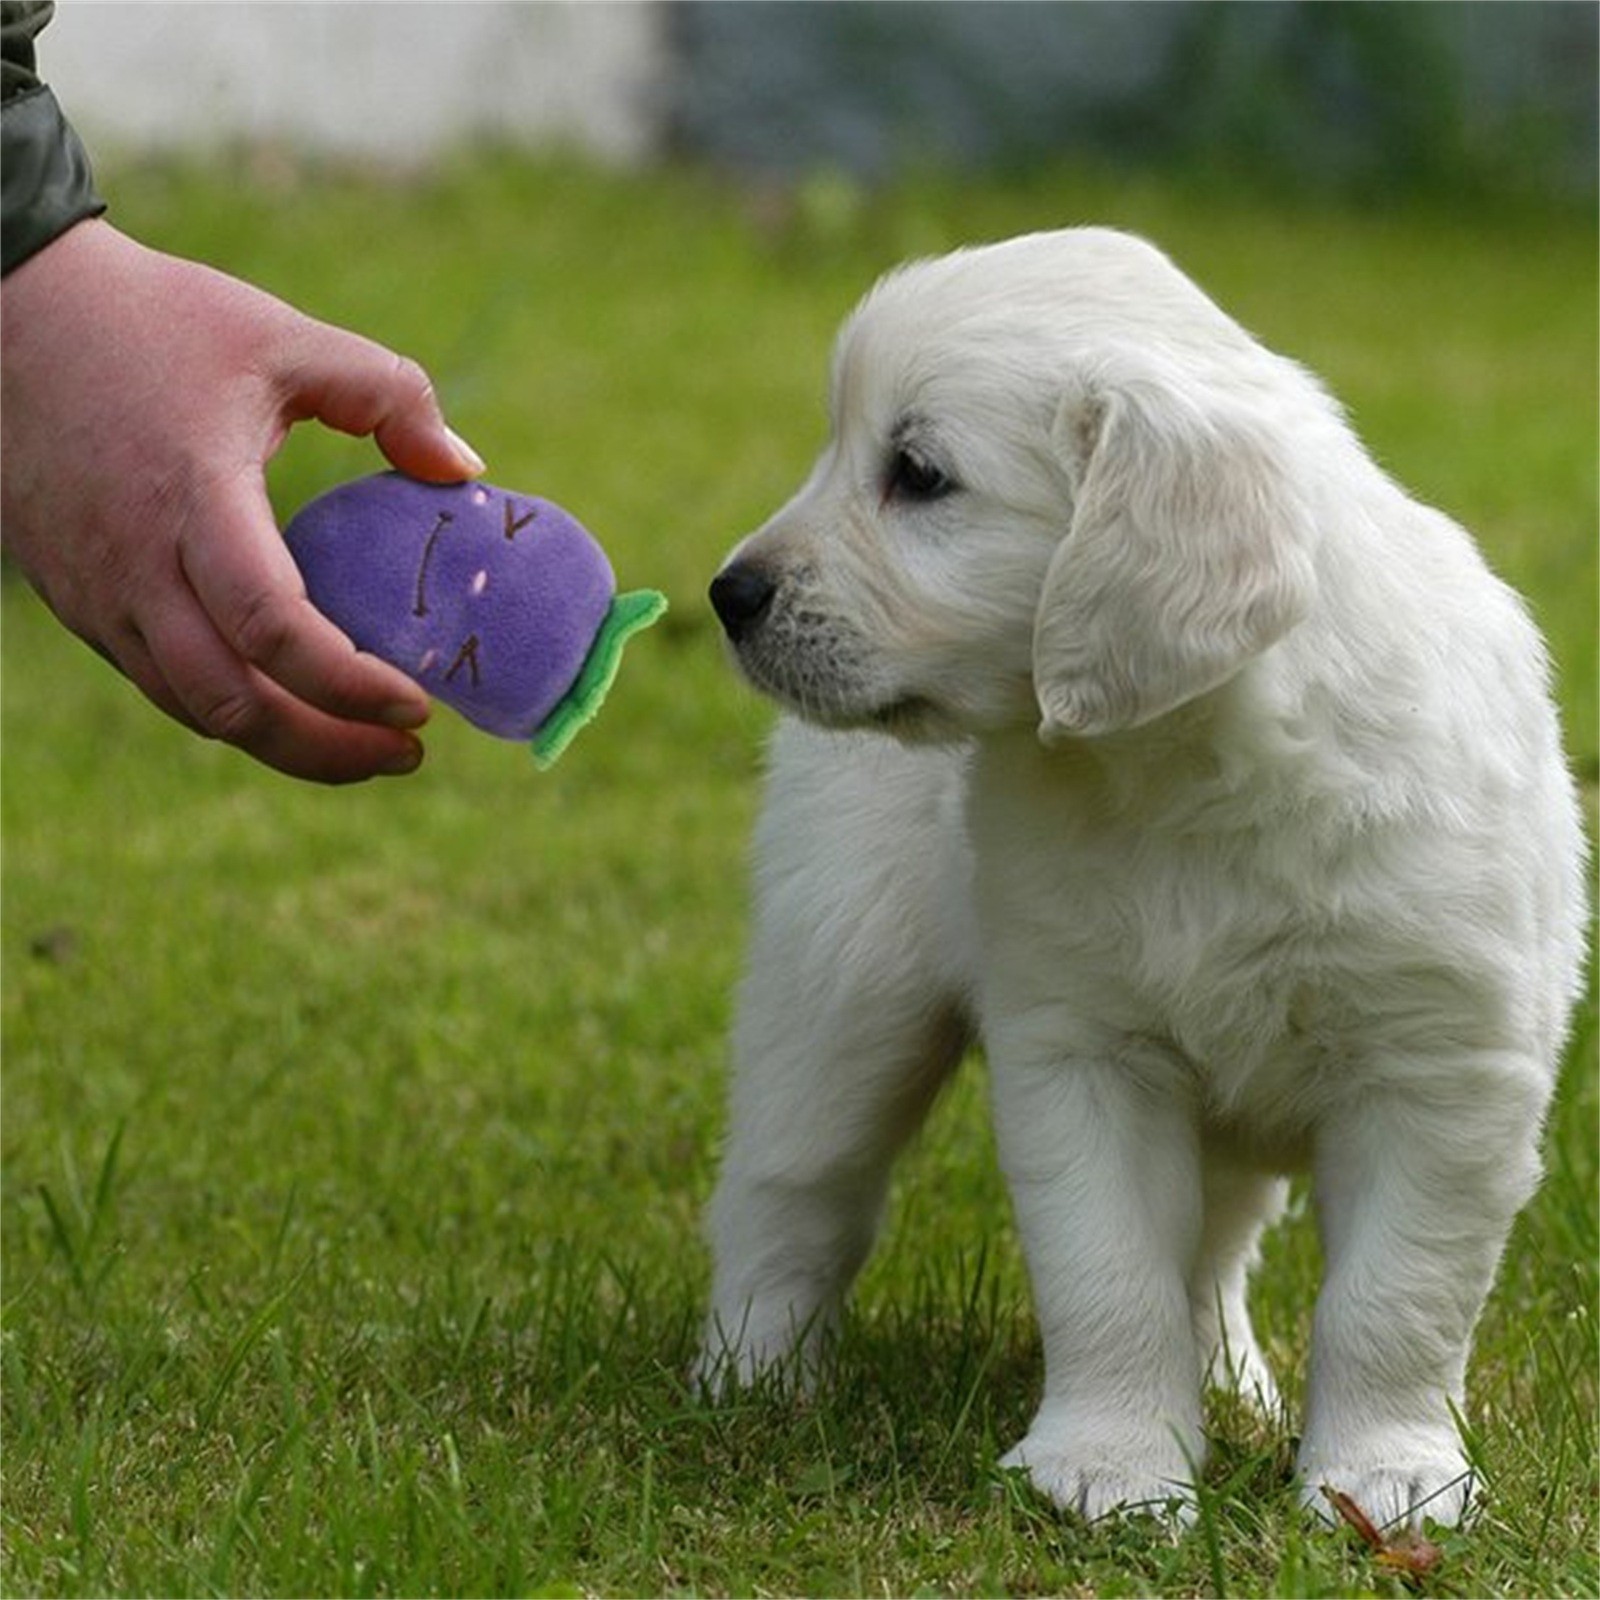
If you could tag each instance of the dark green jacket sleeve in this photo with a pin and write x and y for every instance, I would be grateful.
(45, 181)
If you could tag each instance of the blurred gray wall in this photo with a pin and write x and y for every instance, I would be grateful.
(369, 79)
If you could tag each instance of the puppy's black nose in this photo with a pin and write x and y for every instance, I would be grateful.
(740, 596)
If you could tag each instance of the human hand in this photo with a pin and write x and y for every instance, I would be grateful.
(142, 398)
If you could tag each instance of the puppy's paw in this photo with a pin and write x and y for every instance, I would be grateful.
(1243, 1370)
(1395, 1494)
(720, 1372)
(775, 1356)
(1105, 1481)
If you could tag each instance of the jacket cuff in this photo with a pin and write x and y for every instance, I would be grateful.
(45, 182)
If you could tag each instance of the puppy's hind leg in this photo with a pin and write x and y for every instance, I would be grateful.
(849, 1020)
(1240, 1203)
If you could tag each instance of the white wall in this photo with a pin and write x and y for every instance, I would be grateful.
(369, 78)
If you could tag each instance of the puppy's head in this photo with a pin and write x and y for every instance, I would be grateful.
(1061, 487)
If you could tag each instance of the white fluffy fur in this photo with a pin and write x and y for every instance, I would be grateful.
(1227, 806)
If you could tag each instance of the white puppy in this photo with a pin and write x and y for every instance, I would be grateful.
(1226, 804)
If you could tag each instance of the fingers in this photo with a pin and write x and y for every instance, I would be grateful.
(268, 672)
(239, 646)
(131, 657)
(246, 582)
(188, 669)
(182, 666)
(203, 626)
(359, 387)
(255, 663)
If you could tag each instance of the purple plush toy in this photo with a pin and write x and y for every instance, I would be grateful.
(499, 604)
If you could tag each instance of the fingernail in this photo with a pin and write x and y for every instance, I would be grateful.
(406, 715)
(403, 762)
(468, 455)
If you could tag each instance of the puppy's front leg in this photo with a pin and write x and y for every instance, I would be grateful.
(852, 1014)
(1102, 1159)
(827, 1087)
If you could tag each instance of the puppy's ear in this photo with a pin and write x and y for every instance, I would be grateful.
(1189, 552)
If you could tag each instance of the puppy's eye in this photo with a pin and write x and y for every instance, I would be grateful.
(912, 478)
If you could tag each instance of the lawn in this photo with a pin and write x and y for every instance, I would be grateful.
(354, 1141)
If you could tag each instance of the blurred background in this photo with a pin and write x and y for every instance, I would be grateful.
(1498, 95)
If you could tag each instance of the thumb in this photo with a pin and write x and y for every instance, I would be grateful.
(358, 386)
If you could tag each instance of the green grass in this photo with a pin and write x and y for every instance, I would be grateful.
(354, 1142)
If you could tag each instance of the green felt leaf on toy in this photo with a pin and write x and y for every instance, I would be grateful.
(502, 605)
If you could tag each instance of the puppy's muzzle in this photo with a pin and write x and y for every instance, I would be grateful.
(741, 595)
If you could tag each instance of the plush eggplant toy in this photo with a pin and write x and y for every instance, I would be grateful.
(499, 604)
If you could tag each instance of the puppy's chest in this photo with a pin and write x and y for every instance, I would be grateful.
(1245, 997)
(1203, 943)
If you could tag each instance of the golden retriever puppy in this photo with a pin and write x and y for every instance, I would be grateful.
(1146, 730)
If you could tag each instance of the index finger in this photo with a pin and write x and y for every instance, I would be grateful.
(353, 384)
(247, 583)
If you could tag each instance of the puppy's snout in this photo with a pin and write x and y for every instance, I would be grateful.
(741, 595)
